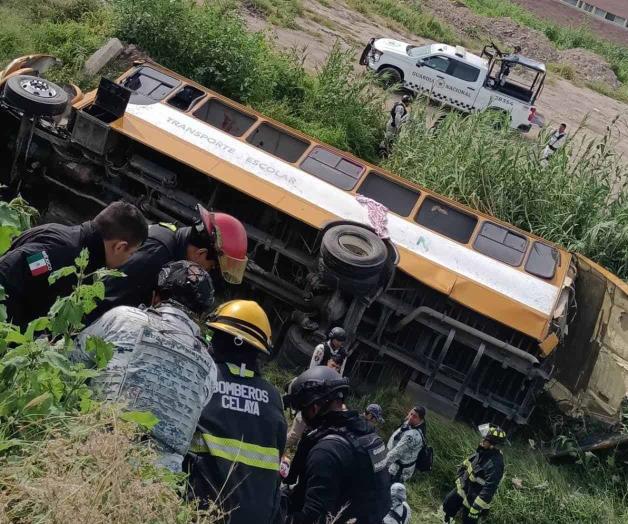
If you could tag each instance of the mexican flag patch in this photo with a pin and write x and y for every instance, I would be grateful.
(39, 263)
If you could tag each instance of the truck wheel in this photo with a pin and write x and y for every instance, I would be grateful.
(35, 96)
(390, 75)
(353, 251)
(296, 351)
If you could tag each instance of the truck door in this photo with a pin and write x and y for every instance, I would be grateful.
(431, 76)
(462, 85)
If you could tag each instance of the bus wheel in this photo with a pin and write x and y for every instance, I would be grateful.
(296, 351)
(35, 96)
(353, 251)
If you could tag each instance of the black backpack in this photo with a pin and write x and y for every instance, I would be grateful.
(425, 458)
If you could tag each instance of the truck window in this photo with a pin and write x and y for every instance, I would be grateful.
(399, 199)
(501, 244)
(332, 168)
(446, 220)
(440, 63)
(463, 71)
(277, 142)
(186, 98)
(224, 117)
(542, 260)
(149, 85)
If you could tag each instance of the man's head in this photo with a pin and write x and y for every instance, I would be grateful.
(398, 493)
(406, 100)
(562, 128)
(335, 362)
(242, 324)
(219, 240)
(187, 284)
(123, 229)
(416, 416)
(315, 392)
(492, 436)
(337, 337)
(374, 414)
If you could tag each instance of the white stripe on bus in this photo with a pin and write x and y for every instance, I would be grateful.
(508, 281)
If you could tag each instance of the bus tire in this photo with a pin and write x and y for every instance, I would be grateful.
(35, 96)
(353, 251)
(296, 351)
(390, 75)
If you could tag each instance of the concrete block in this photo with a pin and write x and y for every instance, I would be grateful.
(108, 52)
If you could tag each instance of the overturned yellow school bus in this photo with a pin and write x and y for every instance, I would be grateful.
(466, 312)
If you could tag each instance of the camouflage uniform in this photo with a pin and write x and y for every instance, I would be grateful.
(403, 447)
(160, 365)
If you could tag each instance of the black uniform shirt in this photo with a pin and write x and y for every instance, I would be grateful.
(34, 255)
(164, 244)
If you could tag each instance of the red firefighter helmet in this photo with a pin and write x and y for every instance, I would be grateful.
(229, 241)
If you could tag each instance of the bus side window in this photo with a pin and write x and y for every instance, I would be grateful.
(399, 199)
(149, 86)
(186, 98)
(277, 142)
(446, 220)
(332, 168)
(542, 261)
(224, 117)
(501, 244)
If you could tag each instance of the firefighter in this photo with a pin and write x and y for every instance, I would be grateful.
(111, 238)
(217, 242)
(339, 468)
(332, 347)
(478, 478)
(405, 445)
(398, 116)
(241, 435)
(157, 346)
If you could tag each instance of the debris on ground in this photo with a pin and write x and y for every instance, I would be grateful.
(108, 52)
(590, 67)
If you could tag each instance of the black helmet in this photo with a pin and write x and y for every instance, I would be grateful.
(188, 284)
(317, 384)
(406, 99)
(493, 434)
(337, 333)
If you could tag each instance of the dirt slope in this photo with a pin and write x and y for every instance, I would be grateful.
(321, 26)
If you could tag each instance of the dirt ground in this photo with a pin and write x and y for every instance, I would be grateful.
(563, 14)
(320, 27)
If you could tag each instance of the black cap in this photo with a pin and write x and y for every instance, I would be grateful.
(188, 284)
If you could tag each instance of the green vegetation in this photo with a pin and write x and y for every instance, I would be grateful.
(564, 37)
(69, 29)
(407, 14)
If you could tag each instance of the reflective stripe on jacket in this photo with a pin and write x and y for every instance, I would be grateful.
(479, 477)
(236, 450)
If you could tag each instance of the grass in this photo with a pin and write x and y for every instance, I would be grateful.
(91, 468)
(408, 15)
(591, 492)
(278, 12)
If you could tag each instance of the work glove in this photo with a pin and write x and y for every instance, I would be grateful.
(474, 513)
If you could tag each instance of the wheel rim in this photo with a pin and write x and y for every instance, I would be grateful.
(355, 245)
(38, 87)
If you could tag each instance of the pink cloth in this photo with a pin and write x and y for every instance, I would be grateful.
(377, 214)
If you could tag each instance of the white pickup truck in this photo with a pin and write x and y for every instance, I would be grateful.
(453, 76)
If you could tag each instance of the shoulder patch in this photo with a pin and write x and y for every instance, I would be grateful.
(39, 263)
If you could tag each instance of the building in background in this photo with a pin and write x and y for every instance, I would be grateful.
(612, 11)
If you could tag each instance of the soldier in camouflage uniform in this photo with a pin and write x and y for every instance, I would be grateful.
(160, 364)
(405, 444)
